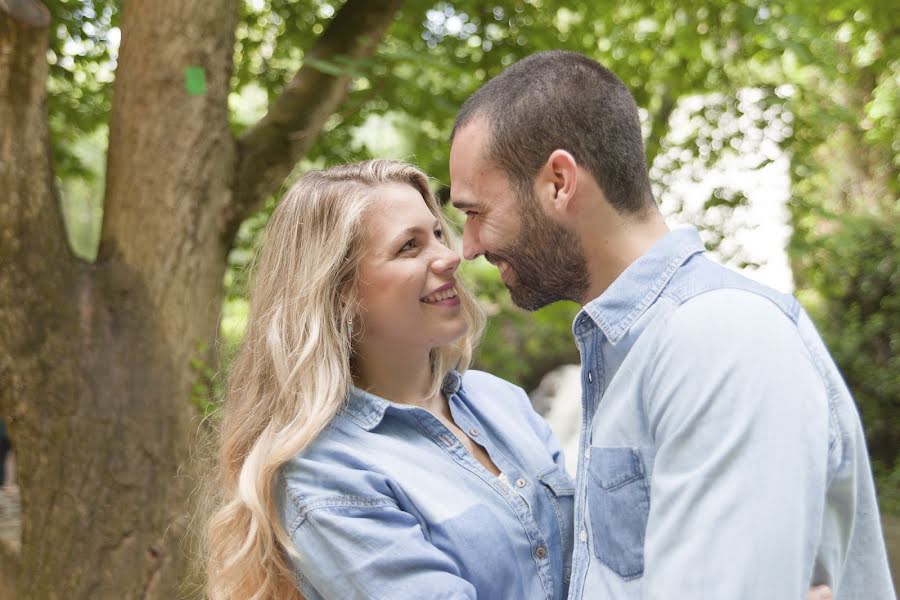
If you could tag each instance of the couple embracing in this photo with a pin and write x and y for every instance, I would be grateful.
(721, 454)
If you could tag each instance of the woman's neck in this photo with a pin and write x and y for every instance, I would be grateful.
(401, 378)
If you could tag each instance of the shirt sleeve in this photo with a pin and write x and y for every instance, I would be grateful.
(367, 548)
(740, 417)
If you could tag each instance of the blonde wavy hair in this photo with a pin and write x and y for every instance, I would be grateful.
(293, 371)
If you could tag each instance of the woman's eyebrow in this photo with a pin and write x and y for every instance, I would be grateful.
(415, 230)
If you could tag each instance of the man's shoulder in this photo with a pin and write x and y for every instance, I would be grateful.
(728, 316)
(697, 282)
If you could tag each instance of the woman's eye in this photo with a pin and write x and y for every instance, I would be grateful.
(439, 234)
(408, 245)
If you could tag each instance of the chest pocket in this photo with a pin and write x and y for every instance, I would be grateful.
(618, 499)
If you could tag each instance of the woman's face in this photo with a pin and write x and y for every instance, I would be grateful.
(407, 276)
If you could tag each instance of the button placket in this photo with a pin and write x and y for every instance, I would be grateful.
(512, 490)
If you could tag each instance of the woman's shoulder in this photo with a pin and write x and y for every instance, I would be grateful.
(333, 464)
(473, 380)
(329, 473)
(488, 390)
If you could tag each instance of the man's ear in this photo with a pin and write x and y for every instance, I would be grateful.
(556, 183)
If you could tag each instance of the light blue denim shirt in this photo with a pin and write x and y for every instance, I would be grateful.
(387, 503)
(721, 453)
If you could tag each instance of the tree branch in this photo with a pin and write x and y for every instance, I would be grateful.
(270, 149)
(27, 12)
(30, 217)
(33, 248)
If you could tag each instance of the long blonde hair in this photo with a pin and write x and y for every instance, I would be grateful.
(293, 369)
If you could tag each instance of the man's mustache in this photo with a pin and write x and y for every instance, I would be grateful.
(494, 258)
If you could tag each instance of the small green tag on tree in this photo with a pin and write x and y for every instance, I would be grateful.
(195, 81)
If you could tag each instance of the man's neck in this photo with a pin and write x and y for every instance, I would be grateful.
(614, 245)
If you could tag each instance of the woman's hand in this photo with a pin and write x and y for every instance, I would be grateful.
(820, 592)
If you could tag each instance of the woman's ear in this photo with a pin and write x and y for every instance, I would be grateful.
(556, 183)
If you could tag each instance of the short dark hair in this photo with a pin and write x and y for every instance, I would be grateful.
(564, 100)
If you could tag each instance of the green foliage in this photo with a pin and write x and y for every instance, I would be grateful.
(852, 277)
(82, 69)
(81, 193)
(208, 386)
(845, 171)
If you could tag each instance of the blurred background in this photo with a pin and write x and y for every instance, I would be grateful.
(769, 125)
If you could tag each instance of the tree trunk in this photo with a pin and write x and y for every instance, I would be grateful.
(100, 407)
(96, 359)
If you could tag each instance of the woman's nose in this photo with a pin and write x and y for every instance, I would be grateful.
(447, 261)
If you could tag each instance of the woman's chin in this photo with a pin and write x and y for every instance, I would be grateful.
(450, 334)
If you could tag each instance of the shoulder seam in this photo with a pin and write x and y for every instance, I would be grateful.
(328, 502)
(792, 314)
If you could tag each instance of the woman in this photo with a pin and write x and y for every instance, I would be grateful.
(359, 459)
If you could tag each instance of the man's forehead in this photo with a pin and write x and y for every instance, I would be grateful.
(468, 143)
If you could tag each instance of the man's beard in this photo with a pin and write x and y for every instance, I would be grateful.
(547, 261)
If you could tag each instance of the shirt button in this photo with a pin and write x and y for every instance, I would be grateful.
(474, 432)
(590, 376)
(587, 453)
(540, 552)
(583, 535)
(521, 483)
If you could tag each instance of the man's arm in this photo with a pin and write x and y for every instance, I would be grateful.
(740, 418)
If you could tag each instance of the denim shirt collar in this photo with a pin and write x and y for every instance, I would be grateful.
(367, 410)
(638, 287)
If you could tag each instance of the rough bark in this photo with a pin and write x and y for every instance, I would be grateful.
(35, 265)
(95, 359)
(100, 353)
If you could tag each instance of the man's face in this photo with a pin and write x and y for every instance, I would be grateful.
(540, 262)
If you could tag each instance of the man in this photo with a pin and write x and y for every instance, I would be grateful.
(721, 453)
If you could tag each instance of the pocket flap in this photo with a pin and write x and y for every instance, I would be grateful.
(612, 467)
(558, 481)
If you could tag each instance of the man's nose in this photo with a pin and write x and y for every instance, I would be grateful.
(472, 248)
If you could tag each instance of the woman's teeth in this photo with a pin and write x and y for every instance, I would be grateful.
(438, 296)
